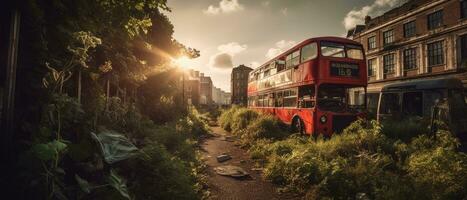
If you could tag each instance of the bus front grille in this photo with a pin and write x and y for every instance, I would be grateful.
(340, 122)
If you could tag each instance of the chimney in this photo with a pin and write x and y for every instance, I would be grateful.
(201, 74)
(367, 19)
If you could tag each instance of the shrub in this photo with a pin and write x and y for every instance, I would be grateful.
(242, 118)
(265, 126)
(363, 162)
(405, 129)
(226, 118)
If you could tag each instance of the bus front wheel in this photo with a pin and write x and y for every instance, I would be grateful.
(297, 126)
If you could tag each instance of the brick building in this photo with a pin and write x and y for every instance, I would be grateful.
(205, 90)
(192, 87)
(239, 85)
(418, 40)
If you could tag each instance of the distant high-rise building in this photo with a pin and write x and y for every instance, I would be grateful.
(192, 87)
(239, 85)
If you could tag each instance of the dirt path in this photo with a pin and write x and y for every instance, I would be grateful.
(222, 187)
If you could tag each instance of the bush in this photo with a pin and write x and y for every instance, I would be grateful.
(363, 162)
(226, 118)
(242, 118)
(407, 129)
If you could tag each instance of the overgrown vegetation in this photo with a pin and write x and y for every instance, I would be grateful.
(366, 161)
(99, 107)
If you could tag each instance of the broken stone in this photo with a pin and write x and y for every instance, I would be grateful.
(242, 161)
(223, 158)
(230, 170)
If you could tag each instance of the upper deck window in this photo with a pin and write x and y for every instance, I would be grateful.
(293, 59)
(332, 49)
(309, 52)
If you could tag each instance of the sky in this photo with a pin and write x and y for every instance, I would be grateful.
(250, 32)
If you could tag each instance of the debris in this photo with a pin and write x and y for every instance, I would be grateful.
(230, 170)
(229, 138)
(257, 169)
(242, 161)
(223, 158)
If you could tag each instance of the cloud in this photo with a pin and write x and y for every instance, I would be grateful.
(226, 52)
(254, 64)
(225, 6)
(232, 48)
(357, 16)
(265, 3)
(279, 47)
(221, 61)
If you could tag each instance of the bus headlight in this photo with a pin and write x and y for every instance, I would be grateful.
(323, 119)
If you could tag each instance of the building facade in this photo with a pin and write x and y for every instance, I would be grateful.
(192, 88)
(239, 85)
(205, 90)
(420, 39)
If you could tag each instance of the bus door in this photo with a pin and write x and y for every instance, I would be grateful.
(306, 105)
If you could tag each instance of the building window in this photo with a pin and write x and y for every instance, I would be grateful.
(409, 29)
(410, 59)
(435, 19)
(388, 64)
(463, 41)
(464, 9)
(372, 67)
(372, 42)
(388, 37)
(435, 53)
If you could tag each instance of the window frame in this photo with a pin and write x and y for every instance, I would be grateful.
(435, 19)
(372, 42)
(386, 37)
(435, 54)
(292, 58)
(410, 59)
(410, 29)
(372, 66)
(313, 44)
(391, 64)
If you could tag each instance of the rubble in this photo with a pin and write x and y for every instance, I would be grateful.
(232, 171)
(223, 158)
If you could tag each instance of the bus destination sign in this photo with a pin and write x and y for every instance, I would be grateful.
(344, 69)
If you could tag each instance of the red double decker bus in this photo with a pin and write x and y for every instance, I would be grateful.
(317, 87)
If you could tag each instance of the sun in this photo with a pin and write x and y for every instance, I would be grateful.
(183, 62)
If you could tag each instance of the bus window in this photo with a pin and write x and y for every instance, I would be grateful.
(293, 59)
(430, 99)
(332, 98)
(290, 98)
(332, 49)
(306, 96)
(412, 104)
(279, 100)
(309, 52)
(271, 100)
(390, 103)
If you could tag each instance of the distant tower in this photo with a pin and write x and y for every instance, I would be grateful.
(239, 85)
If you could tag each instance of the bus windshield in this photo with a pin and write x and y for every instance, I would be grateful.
(337, 50)
(332, 98)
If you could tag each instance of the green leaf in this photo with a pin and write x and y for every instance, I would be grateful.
(118, 183)
(48, 151)
(83, 184)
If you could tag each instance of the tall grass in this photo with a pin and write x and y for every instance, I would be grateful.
(368, 160)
